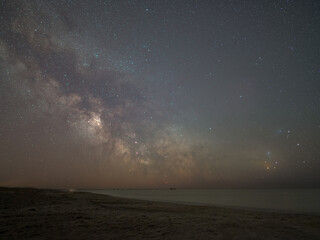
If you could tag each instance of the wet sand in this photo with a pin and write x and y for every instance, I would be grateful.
(51, 214)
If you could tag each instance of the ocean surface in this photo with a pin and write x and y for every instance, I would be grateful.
(283, 200)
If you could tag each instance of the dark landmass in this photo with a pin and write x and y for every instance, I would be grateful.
(52, 214)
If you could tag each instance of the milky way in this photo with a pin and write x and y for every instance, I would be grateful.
(98, 94)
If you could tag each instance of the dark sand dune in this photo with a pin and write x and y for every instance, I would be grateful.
(49, 214)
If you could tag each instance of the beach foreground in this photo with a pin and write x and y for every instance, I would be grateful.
(51, 214)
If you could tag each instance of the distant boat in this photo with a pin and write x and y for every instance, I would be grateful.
(172, 188)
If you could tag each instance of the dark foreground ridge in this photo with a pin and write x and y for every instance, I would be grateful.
(52, 214)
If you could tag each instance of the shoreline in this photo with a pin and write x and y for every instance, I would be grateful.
(193, 203)
(55, 214)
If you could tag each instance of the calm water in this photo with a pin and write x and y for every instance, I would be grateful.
(298, 200)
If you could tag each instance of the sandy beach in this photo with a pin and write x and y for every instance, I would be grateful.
(53, 214)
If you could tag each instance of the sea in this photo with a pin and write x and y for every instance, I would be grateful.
(277, 200)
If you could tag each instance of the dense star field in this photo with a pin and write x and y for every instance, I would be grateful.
(99, 94)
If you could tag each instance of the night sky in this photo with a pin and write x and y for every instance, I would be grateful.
(124, 94)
